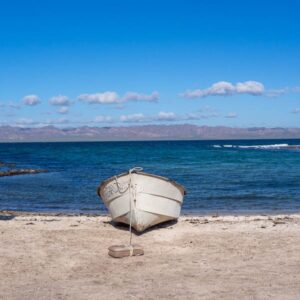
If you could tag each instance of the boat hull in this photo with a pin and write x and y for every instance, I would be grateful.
(142, 199)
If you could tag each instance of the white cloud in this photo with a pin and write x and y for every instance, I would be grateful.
(119, 106)
(103, 119)
(60, 100)
(10, 105)
(166, 116)
(277, 92)
(31, 100)
(192, 116)
(250, 87)
(100, 98)
(63, 110)
(282, 91)
(133, 96)
(205, 112)
(231, 115)
(171, 116)
(139, 117)
(296, 89)
(224, 88)
(59, 121)
(133, 118)
(296, 111)
(113, 98)
(25, 121)
(13, 105)
(207, 115)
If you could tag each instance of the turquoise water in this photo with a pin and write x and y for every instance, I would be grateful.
(219, 176)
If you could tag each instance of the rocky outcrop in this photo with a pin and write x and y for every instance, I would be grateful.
(9, 165)
(14, 172)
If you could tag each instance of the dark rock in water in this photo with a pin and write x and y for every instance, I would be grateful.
(4, 164)
(21, 172)
(12, 172)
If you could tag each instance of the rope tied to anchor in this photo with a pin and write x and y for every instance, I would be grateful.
(132, 199)
(132, 195)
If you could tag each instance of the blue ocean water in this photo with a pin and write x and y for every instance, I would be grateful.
(219, 176)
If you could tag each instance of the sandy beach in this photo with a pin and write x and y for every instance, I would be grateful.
(199, 257)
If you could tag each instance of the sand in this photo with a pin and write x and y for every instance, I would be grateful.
(227, 257)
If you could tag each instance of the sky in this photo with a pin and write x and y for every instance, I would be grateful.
(123, 63)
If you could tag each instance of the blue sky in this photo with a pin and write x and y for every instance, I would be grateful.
(111, 63)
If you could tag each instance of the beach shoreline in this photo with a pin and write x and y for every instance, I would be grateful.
(57, 256)
(207, 213)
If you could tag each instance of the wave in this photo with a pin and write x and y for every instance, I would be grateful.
(224, 146)
(268, 147)
(273, 146)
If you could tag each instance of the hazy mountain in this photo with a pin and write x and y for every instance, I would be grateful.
(146, 132)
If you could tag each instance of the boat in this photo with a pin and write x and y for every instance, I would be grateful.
(140, 199)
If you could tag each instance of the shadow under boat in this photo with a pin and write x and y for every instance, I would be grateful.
(125, 227)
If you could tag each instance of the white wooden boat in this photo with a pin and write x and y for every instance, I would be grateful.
(141, 199)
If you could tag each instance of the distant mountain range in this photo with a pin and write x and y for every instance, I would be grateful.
(146, 132)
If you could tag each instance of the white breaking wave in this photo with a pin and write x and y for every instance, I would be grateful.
(274, 146)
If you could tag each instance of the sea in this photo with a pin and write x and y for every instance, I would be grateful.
(220, 177)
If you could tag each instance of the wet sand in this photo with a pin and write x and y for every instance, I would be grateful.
(227, 257)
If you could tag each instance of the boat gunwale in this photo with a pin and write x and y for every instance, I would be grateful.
(173, 182)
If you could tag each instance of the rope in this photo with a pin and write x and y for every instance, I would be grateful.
(130, 250)
(130, 208)
(133, 170)
(136, 169)
(132, 199)
(118, 186)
